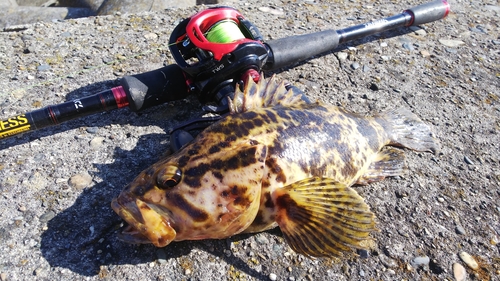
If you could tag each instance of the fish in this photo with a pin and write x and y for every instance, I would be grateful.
(274, 161)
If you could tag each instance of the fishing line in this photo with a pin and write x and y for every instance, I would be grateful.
(225, 31)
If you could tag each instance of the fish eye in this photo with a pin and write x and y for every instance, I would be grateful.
(169, 177)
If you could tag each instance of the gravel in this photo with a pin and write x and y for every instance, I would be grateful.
(51, 230)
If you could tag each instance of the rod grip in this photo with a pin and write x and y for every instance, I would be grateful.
(429, 12)
(289, 50)
(154, 87)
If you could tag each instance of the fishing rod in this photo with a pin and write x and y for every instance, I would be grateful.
(214, 50)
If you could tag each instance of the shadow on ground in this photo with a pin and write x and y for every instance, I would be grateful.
(83, 238)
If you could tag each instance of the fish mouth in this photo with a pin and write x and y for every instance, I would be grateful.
(145, 224)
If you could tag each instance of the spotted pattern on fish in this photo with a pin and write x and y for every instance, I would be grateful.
(241, 174)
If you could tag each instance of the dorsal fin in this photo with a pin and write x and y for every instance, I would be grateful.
(265, 93)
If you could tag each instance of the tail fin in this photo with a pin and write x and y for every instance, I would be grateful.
(407, 130)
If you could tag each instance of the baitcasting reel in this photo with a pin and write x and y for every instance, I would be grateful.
(217, 48)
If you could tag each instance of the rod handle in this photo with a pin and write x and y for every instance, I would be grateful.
(154, 87)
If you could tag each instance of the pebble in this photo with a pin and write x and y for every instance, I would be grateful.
(3, 276)
(96, 142)
(383, 44)
(460, 230)
(271, 11)
(420, 261)
(92, 130)
(341, 56)
(374, 87)
(468, 260)
(451, 43)
(408, 46)
(80, 181)
(262, 239)
(496, 42)
(425, 53)
(273, 277)
(385, 58)
(47, 216)
(43, 67)
(366, 68)
(468, 161)
(355, 65)
(150, 36)
(459, 272)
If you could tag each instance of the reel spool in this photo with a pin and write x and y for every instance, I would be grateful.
(217, 48)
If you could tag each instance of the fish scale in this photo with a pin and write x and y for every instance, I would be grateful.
(273, 161)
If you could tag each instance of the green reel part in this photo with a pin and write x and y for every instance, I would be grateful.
(225, 31)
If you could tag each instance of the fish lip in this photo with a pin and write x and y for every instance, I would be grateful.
(145, 225)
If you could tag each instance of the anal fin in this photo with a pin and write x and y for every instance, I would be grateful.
(320, 217)
(387, 163)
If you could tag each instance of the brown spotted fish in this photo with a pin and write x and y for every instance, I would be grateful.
(273, 161)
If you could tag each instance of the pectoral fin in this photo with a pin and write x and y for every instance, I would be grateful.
(320, 217)
(387, 163)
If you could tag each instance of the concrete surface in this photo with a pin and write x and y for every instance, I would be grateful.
(56, 184)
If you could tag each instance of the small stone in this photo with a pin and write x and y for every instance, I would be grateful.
(385, 58)
(361, 273)
(22, 208)
(66, 34)
(420, 261)
(441, 199)
(43, 67)
(408, 46)
(459, 272)
(96, 142)
(468, 161)
(383, 44)
(374, 87)
(151, 36)
(273, 277)
(496, 42)
(3, 276)
(366, 68)
(80, 181)
(92, 130)
(425, 53)
(341, 56)
(451, 50)
(363, 253)
(460, 230)
(468, 260)
(262, 239)
(272, 11)
(187, 271)
(47, 216)
(451, 43)
(355, 65)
